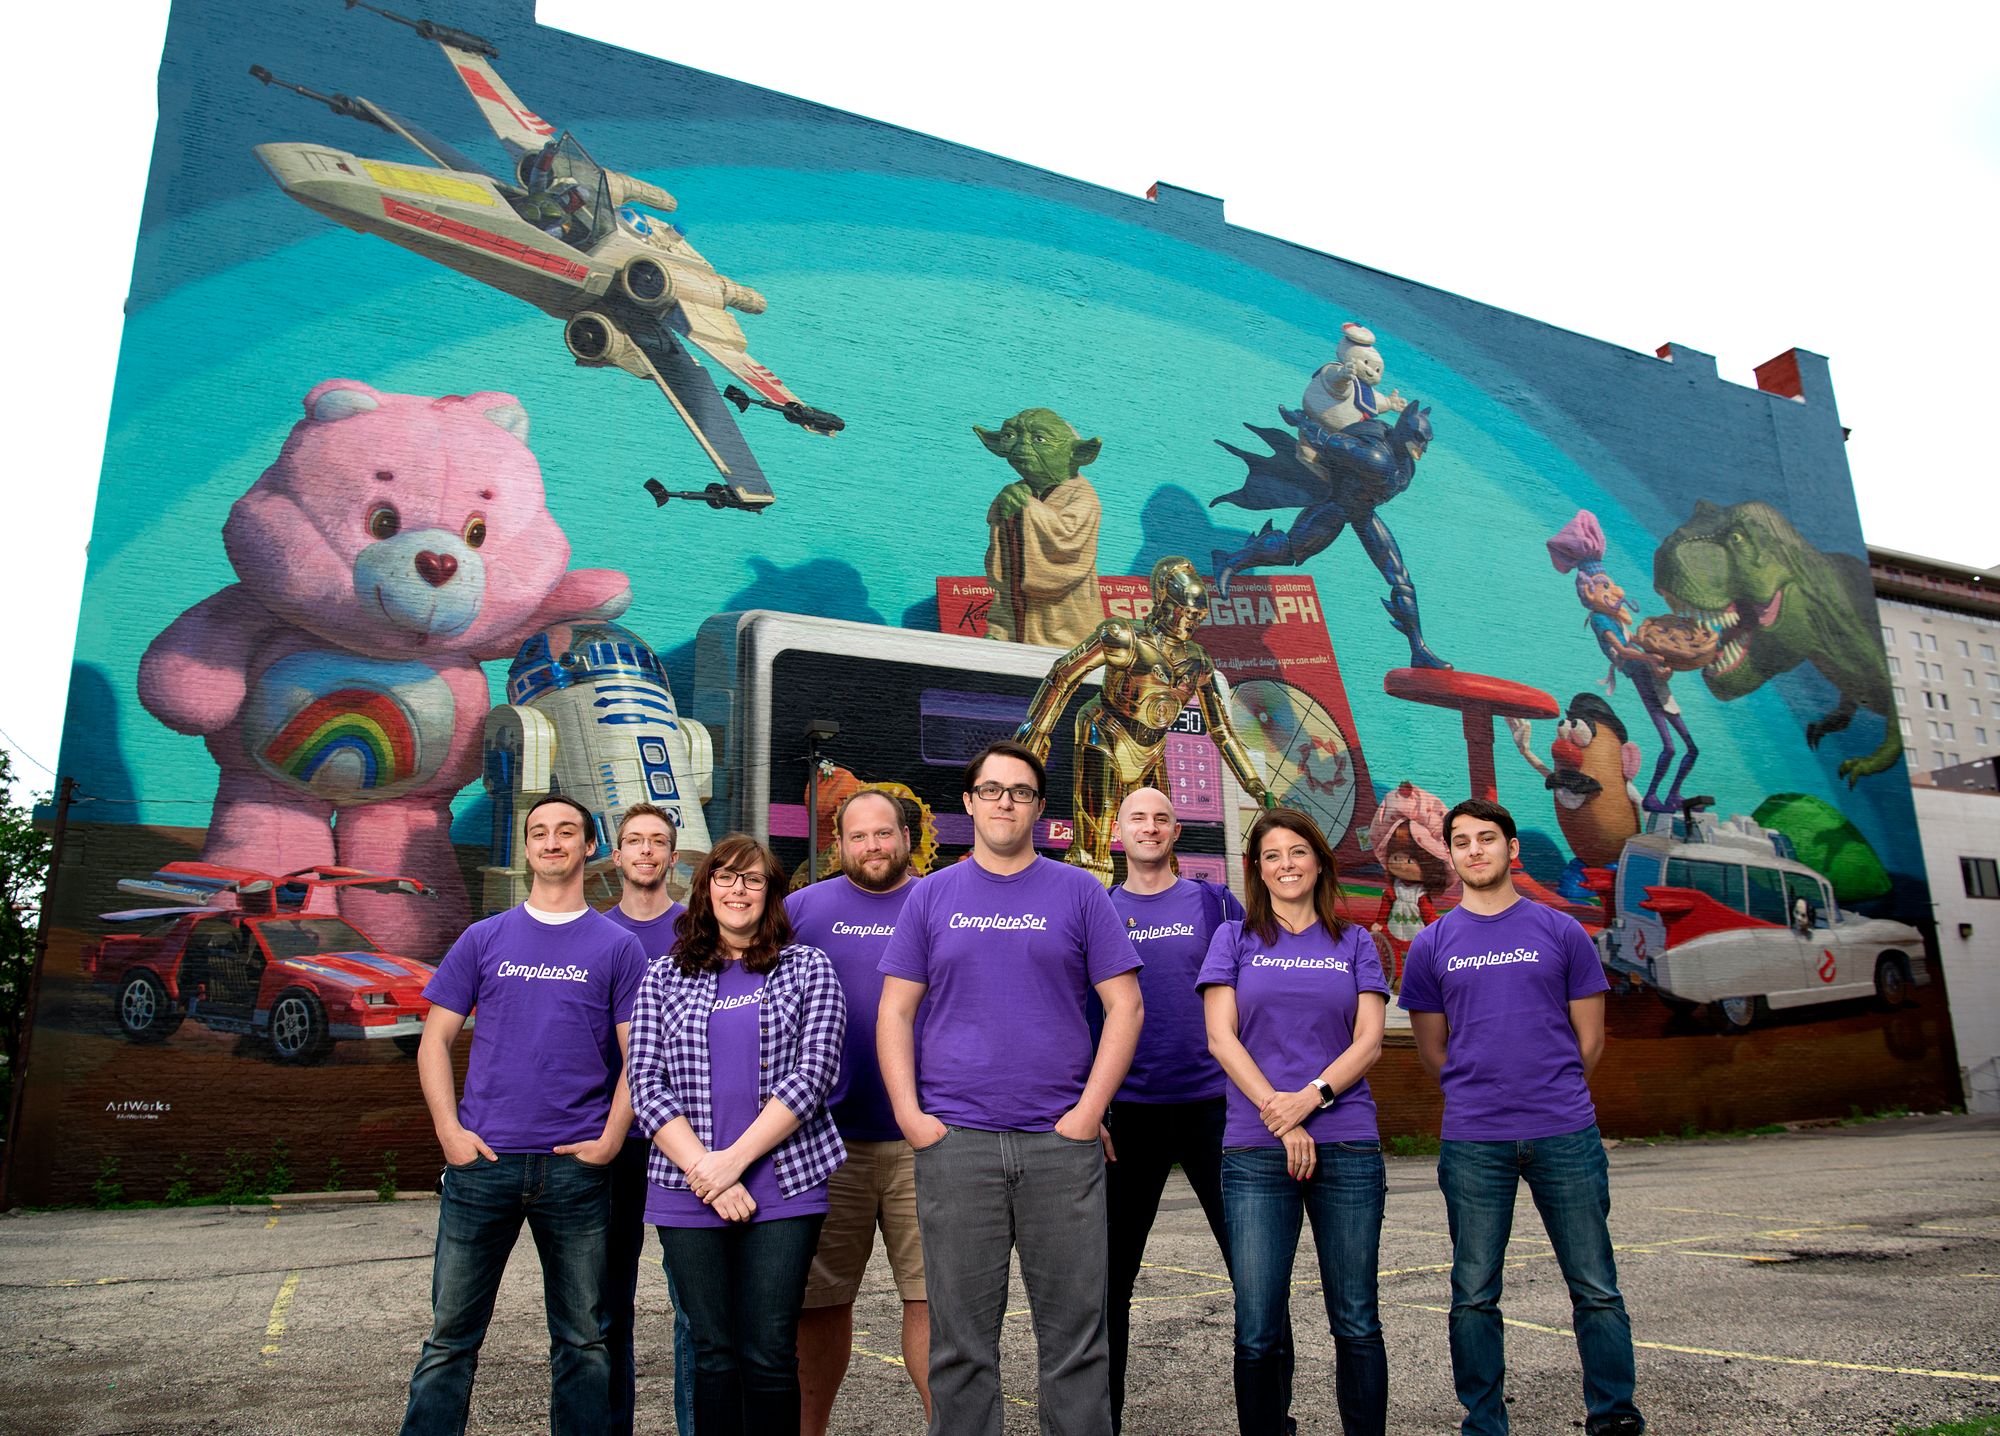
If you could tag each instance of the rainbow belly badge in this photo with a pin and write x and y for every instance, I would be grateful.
(348, 729)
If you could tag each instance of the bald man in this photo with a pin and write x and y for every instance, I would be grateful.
(1170, 1108)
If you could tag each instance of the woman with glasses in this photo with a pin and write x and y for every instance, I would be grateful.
(736, 1040)
(1294, 998)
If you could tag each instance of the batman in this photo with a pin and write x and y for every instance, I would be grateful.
(1350, 475)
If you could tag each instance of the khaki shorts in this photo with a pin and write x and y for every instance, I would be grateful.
(878, 1184)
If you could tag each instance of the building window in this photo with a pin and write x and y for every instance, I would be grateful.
(1895, 668)
(1982, 877)
(1973, 704)
(1937, 761)
(1932, 725)
(1969, 679)
(1944, 702)
(1930, 699)
(1979, 736)
(1930, 642)
(1906, 728)
(1964, 649)
(1953, 759)
(1986, 652)
(1888, 636)
(1993, 681)
(1910, 757)
(1950, 733)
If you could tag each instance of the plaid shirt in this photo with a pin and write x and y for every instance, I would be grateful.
(800, 1026)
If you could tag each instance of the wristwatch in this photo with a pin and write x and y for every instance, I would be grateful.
(1326, 1093)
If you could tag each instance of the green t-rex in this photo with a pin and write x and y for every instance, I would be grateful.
(1775, 602)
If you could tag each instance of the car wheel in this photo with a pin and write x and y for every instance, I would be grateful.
(1735, 1015)
(408, 1045)
(298, 1026)
(144, 1012)
(1892, 980)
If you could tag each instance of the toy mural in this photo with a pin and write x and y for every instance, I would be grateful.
(1042, 556)
(395, 543)
(325, 659)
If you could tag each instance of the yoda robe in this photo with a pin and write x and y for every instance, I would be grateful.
(1043, 566)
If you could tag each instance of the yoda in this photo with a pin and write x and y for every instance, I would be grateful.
(1041, 555)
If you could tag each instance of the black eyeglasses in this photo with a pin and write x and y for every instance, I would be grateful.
(990, 792)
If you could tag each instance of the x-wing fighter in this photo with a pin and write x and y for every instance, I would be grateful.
(565, 234)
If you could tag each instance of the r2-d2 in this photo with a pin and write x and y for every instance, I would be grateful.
(589, 714)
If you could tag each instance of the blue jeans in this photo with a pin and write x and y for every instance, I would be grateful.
(741, 1287)
(566, 1204)
(626, 1243)
(1264, 1205)
(1571, 1184)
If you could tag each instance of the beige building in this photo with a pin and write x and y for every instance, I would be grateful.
(1958, 819)
(1941, 627)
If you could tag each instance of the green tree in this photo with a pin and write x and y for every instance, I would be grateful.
(24, 871)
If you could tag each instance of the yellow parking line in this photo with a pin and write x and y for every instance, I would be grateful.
(280, 1310)
(882, 1356)
(1185, 1295)
(271, 1223)
(1729, 1256)
(1184, 1271)
(1743, 1355)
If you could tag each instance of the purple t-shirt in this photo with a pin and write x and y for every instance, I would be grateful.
(550, 996)
(655, 934)
(852, 926)
(1170, 931)
(1008, 961)
(656, 938)
(1296, 1000)
(732, 1075)
(1504, 983)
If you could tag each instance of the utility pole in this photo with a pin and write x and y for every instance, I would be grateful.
(818, 731)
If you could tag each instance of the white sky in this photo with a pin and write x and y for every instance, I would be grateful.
(1738, 178)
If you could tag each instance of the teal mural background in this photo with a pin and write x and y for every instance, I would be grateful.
(916, 288)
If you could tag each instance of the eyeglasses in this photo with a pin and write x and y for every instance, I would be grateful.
(990, 792)
(728, 878)
(643, 841)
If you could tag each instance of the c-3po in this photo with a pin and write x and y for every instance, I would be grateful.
(1151, 669)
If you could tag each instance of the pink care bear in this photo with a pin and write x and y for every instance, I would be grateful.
(396, 543)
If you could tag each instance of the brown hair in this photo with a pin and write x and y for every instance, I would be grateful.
(1008, 748)
(895, 806)
(1436, 874)
(1483, 810)
(649, 810)
(1258, 916)
(697, 935)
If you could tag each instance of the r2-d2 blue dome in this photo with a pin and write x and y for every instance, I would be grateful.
(589, 714)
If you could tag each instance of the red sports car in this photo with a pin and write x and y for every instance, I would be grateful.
(249, 959)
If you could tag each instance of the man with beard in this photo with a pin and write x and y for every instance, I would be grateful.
(1170, 1110)
(647, 844)
(1506, 1001)
(545, 1112)
(851, 918)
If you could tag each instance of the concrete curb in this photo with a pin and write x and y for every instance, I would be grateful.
(343, 1199)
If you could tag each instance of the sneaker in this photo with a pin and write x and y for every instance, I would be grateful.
(1620, 1426)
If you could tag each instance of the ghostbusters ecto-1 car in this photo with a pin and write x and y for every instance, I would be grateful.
(1723, 914)
(248, 958)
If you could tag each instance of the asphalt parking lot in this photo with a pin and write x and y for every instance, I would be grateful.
(1831, 1281)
